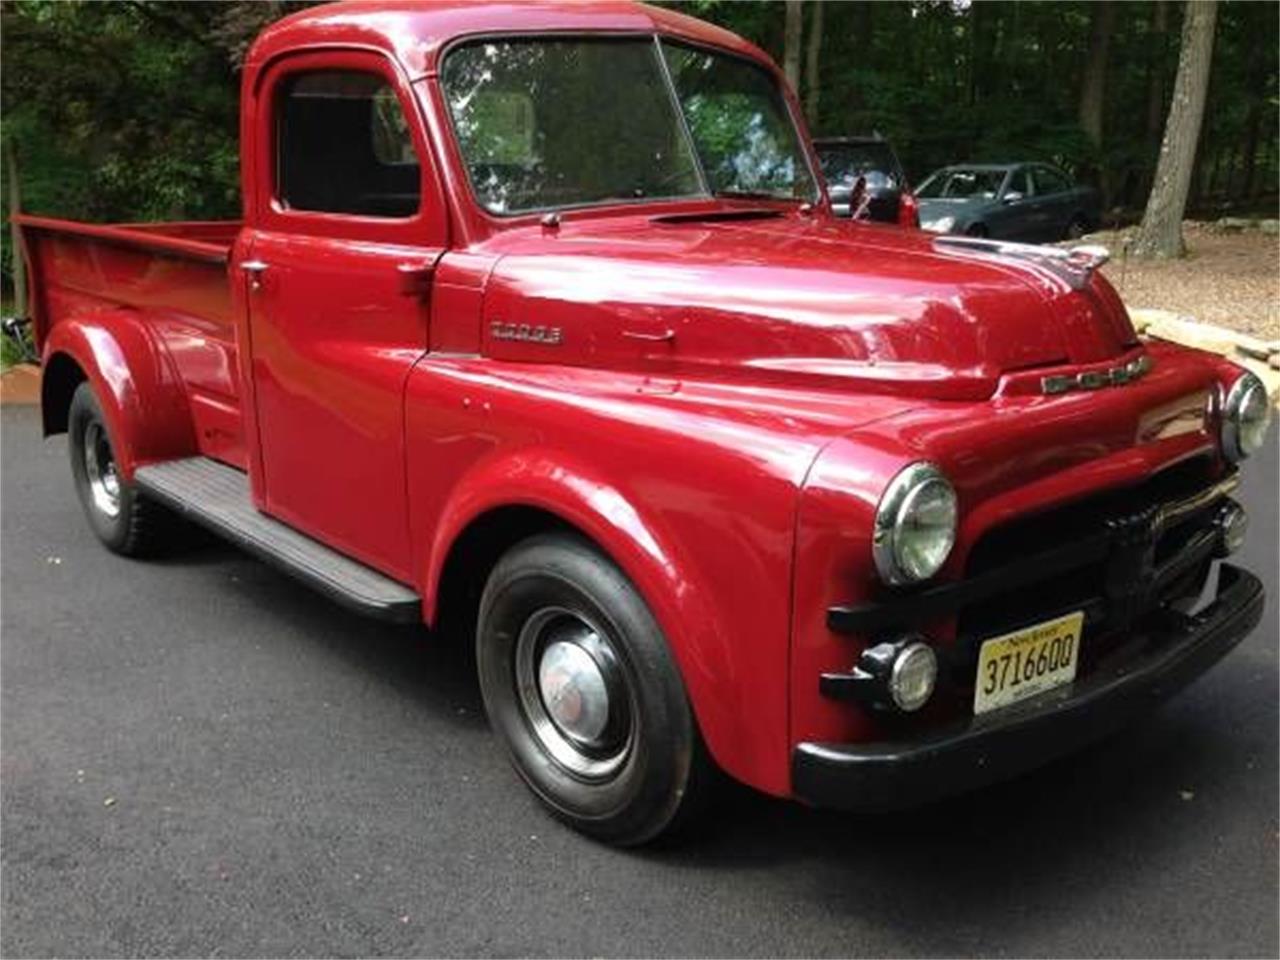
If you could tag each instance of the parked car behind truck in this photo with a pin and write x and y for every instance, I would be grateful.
(538, 327)
(1022, 201)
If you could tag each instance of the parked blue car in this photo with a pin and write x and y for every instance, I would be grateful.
(1030, 202)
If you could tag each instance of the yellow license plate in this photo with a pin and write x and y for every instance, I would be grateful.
(1026, 662)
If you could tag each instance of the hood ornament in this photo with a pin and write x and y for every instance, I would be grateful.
(1075, 264)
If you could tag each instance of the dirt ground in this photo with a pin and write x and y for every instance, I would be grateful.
(20, 384)
(1231, 279)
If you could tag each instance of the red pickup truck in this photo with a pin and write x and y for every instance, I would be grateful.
(538, 325)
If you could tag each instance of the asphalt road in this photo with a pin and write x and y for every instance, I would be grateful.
(200, 756)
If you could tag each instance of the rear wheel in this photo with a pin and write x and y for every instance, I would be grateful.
(977, 230)
(580, 687)
(1077, 228)
(123, 519)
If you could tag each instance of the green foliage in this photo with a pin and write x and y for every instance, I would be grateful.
(17, 348)
(124, 110)
(120, 110)
(951, 81)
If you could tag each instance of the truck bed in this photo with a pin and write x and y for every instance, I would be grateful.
(172, 277)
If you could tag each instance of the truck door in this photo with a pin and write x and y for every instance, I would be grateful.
(347, 222)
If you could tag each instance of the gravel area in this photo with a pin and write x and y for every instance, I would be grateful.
(1230, 279)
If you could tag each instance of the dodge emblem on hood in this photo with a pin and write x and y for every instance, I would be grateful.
(1096, 379)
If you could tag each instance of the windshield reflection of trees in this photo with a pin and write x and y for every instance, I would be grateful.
(546, 123)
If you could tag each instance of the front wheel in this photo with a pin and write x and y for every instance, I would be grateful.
(581, 688)
(123, 519)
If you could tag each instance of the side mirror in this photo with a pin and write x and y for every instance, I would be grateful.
(1013, 196)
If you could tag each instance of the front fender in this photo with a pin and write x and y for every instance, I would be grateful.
(141, 396)
(655, 560)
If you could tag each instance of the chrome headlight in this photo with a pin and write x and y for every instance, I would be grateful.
(1246, 416)
(915, 525)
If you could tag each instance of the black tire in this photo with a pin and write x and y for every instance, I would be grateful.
(647, 771)
(136, 526)
(1077, 228)
(977, 230)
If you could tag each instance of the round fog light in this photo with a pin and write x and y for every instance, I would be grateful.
(1233, 525)
(915, 669)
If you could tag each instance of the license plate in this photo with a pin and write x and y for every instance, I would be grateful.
(1025, 662)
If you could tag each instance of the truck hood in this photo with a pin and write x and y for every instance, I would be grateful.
(793, 299)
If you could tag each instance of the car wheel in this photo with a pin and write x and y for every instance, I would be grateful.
(124, 520)
(581, 689)
(976, 230)
(1077, 228)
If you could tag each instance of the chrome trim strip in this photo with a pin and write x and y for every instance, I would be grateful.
(1171, 511)
(1097, 379)
(1073, 264)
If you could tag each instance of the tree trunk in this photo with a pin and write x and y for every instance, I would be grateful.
(1256, 77)
(863, 42)
(1157, 44)
(1155, 75)
(1093, 89)
(792, 38)
(1161, 232)
(975, 27)
(863, 27)
(18, 262)
(1215, 174)
(812, 89)
(1230, 181)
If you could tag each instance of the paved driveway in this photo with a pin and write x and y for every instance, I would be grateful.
(201, 757)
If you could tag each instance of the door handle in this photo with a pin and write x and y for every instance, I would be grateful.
(415, 278)
(255, 269)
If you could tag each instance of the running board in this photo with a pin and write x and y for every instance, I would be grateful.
(217, 496)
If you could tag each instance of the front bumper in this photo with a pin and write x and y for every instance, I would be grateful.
(985, 749)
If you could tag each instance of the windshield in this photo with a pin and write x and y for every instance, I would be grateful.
(558, 122)
(962, 185)
(740, 124)
(842, 165)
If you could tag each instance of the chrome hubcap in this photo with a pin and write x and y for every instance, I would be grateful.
(573, 692)
(100, 468)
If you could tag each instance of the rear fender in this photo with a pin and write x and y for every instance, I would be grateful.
(141, 396)
(555, 482)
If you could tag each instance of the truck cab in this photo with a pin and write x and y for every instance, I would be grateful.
(538, 328)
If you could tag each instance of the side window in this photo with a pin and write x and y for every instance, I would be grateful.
(1020, 184)
(343, 146)
(1049, 181)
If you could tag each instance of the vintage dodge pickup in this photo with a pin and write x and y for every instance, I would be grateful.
(538, 328)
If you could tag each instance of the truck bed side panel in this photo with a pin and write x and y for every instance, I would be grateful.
(183, 295)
